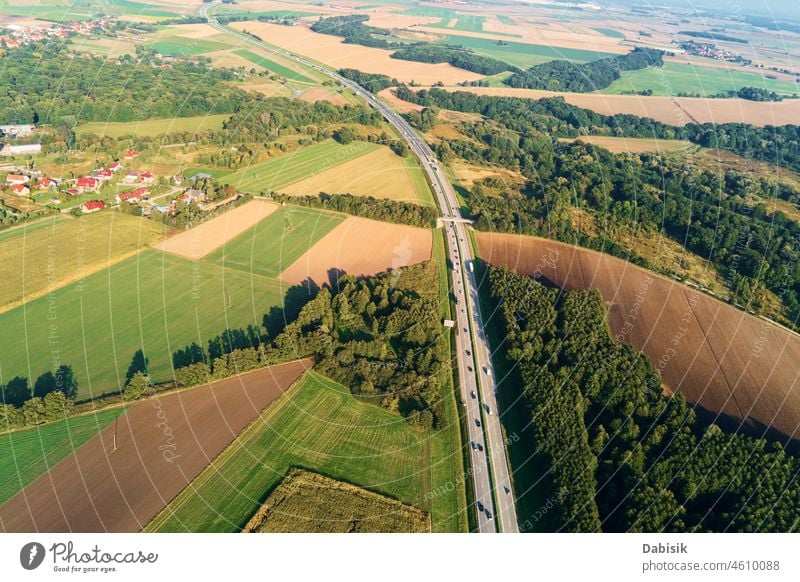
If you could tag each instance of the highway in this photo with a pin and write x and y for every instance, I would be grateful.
(495, 506)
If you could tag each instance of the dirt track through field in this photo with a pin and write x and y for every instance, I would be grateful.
(360, 247)
(162, 444)
(727, 361)
(207, 237)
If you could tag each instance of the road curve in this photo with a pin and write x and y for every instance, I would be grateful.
(495, 506)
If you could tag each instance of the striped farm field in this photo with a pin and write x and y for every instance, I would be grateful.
(154, 301)
(274, 243)
(30, 453)
(634, 145)
(317, 425)
(380, 173)
(279, 172)
(57, 251)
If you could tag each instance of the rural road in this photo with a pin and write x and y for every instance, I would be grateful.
(495, 506)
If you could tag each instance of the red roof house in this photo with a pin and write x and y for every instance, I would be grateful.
(86, 183)
(12, 179)
(104, 174)
(116, 166)
(20, 189)
(92, 206)
(129, 154)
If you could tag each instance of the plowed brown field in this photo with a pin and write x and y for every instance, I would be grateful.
(722, 359)
(162, 444)
(360, 247)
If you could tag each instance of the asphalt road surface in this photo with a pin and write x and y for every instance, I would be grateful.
(495, 507)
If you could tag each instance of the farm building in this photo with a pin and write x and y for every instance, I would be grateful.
(133, 196)
(92, 206)
(14, 179)
(17, 130)
(20, 150)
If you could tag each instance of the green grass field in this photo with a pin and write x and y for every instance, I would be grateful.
(505, 20)
(177, 46)
(153, 127)
(521, 54)
(276, 242)
(30, 453)
(307, 502)
(319, 426)
(215, 172)
(676, 78)
(270, 65)
(58, 250)
(85, 10)
(152, 301)
(24, 230)
(610, 32)
(284, 170)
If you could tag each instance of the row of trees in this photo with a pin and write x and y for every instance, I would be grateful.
(51, 398)
(584, 77)
(621, 455)
(375, 208)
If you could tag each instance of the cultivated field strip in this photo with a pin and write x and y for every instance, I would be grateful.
(162, 444)
(728, 362)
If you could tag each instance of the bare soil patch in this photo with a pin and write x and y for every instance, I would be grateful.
(162, 444)
(360, 247)
(740, 368)
(201, 240)
(324, 94)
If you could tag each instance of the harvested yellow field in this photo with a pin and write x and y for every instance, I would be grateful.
(266, 87)
(619, 145)
(201, 240)
(467, 174)
(381, 174)
(360, 247)
(331, 51)
(391, 20)
(402, 106)
(670, 110)
(330, 94)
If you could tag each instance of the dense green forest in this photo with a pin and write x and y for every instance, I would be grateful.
(455, 56)
(619, 455)
(380, 336)
(40, 88)
(714, 35)
(584, 77)
(368, 207)
(720, 216)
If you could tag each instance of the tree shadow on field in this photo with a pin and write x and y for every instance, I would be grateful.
(276, 319)
(138, 364)
(750, 427)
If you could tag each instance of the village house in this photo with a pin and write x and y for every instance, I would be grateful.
(20, 190)
(130, 178)
(115, 167)
(133, 196)
(92, 206)
(191, 196)
(147, 178)
(46, 184)
(87, 184)
(19, 130)
(129, 154)
(21, 150)
(104, 174)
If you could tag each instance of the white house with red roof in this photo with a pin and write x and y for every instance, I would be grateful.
(20, 189)
(115, 167)
(104, 174)
(46, 184)
(129, 154)
(92, 206)
(86, 184)
(147, 177)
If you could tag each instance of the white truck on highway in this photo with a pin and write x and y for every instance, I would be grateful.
(471, 268)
